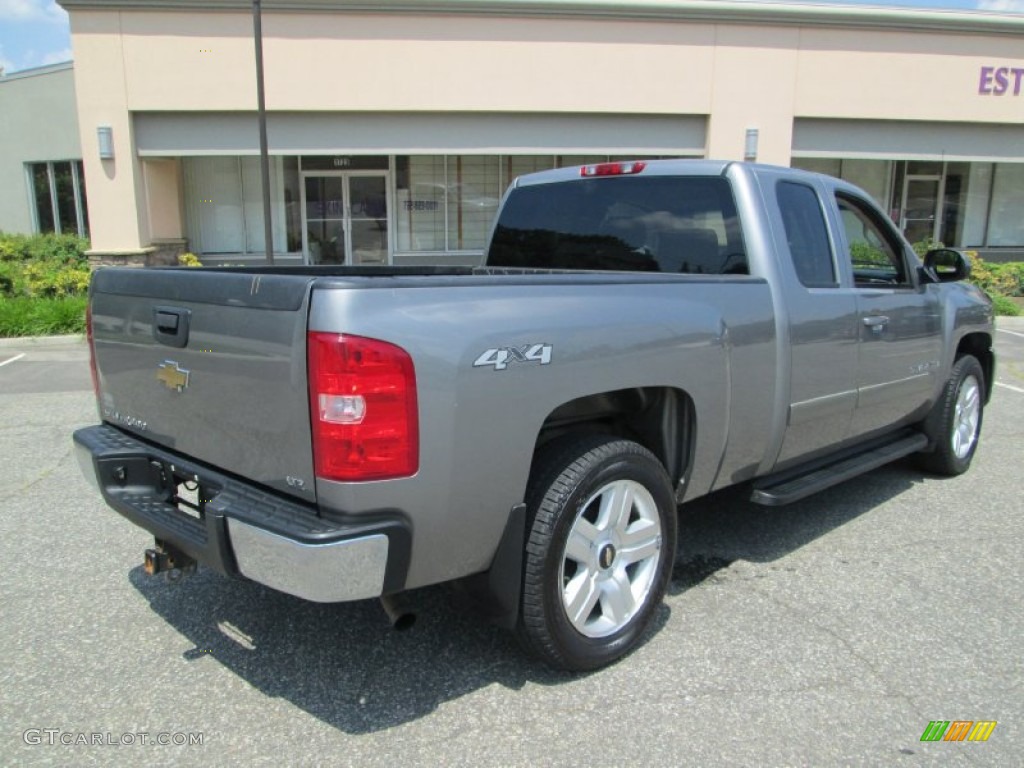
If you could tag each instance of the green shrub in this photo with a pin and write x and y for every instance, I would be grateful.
(25, 316)
(51, 280)
(999, 281)
(189, 260)
(11, 279)
(43, 284)
(863, 254)
(994, 279)
(63, 249)
(10, 247)
(43, 265)
(921, 247)
(1010, 277)
(1001, 305)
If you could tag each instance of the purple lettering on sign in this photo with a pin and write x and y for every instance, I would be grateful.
(985, 86)
(998, 81)
(1002, 82)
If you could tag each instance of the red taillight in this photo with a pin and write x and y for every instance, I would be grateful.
(362, 400)
(92, 352)
(612, 169)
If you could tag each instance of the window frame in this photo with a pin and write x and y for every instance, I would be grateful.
(868, 214)
(81, 205)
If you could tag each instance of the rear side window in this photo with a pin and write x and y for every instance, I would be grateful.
(643, 224)
(809, 246)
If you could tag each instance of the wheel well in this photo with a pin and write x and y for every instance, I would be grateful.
(980, 346)
(662, 419)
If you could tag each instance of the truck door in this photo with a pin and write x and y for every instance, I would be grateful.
(900, 342)
(822, 323)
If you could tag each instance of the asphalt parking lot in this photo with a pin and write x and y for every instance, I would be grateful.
(830, 632)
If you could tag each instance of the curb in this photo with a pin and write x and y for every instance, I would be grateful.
(42, 341)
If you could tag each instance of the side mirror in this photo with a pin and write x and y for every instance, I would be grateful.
(947, 265)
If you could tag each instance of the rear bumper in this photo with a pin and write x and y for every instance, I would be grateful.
(243, 529)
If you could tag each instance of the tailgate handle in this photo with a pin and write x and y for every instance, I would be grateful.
(170, 326)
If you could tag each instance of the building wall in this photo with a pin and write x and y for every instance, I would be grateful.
(38, 123)
(734, 76)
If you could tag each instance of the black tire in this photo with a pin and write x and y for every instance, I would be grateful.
(949, 425)
(628, 561)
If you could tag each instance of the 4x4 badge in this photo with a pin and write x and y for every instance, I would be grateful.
(501, 358)
(172, 375)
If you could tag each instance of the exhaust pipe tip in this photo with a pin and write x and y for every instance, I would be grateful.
(398, 612)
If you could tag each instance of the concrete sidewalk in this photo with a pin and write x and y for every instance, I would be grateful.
(42, 341)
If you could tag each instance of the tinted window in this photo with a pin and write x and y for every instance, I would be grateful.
(875, 252)
(806, 234)
(649, 224)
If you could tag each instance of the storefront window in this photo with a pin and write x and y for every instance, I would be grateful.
(975, 206)
(568, 161)
(870, 175)
(962, 204)
(44, 202)
(420, 188)
(62, 183)
(514, 166)
(1006, 225)
(924, 168)
(216, 185)
(292, 203)
(827, 165)
(954, 203)
(225, 205)
(473, 189)
(80, 178)
(65, 186)
(448, 203)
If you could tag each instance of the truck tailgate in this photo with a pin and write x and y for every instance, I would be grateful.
(211, 365)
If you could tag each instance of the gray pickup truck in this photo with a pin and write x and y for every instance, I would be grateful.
(642, 334)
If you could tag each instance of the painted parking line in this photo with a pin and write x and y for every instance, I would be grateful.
(1012, 333)
(1009, 386)
(12, 360)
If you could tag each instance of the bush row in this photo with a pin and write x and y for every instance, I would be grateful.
(43, 266)
(1000, 281)
(997, 279)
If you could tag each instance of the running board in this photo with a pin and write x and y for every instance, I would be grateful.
(787, 487)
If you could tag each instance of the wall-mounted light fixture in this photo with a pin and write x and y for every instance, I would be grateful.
(750, 145)
(105, 139)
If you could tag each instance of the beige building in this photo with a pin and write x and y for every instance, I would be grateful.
(42, 183)
(394, 133)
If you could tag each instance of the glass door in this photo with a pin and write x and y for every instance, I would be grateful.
(368, 218)
(346, 218)
(921, 198)
(323, 207)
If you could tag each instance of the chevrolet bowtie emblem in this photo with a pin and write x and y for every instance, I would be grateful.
(172, 376)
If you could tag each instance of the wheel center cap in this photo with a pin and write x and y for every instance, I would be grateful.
(606, 556)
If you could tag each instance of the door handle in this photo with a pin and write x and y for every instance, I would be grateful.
(876, 323)
(170, 326)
